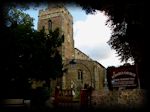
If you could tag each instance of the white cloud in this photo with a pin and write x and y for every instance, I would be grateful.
(91, 37)
(112, 60)
(93, 30)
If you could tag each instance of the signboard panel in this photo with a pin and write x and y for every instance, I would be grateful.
(124, 79)
(124, 76)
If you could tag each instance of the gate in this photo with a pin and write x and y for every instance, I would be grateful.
(63, 97)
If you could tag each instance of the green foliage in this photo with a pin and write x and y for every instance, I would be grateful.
(27, 53)
(15, 16)
(127, 22)
(129, 37)
(35, 53)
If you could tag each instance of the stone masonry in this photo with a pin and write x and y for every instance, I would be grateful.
(85, 70)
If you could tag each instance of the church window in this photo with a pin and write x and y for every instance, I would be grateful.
(43, 27)
(80, 74)
(49, 25)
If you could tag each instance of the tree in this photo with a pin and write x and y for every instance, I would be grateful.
(27, 53)
(16, 26)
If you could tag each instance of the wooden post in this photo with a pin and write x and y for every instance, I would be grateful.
(83, 97)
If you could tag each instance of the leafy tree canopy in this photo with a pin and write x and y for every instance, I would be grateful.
(127, 22)
(27, 53)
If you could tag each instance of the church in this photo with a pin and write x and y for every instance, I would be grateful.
(80, 69)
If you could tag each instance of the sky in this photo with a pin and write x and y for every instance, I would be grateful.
(90, 35)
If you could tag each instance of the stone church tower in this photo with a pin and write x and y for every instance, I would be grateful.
(57, 16)
(84, 70)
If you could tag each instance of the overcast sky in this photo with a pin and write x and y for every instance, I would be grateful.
(90, 35)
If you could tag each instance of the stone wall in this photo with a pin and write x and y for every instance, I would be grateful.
(119, 99)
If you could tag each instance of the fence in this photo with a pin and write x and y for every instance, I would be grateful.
(63, 97)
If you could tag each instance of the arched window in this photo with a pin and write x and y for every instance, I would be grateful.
(43, 28)
(80, 74)
(49, 25)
